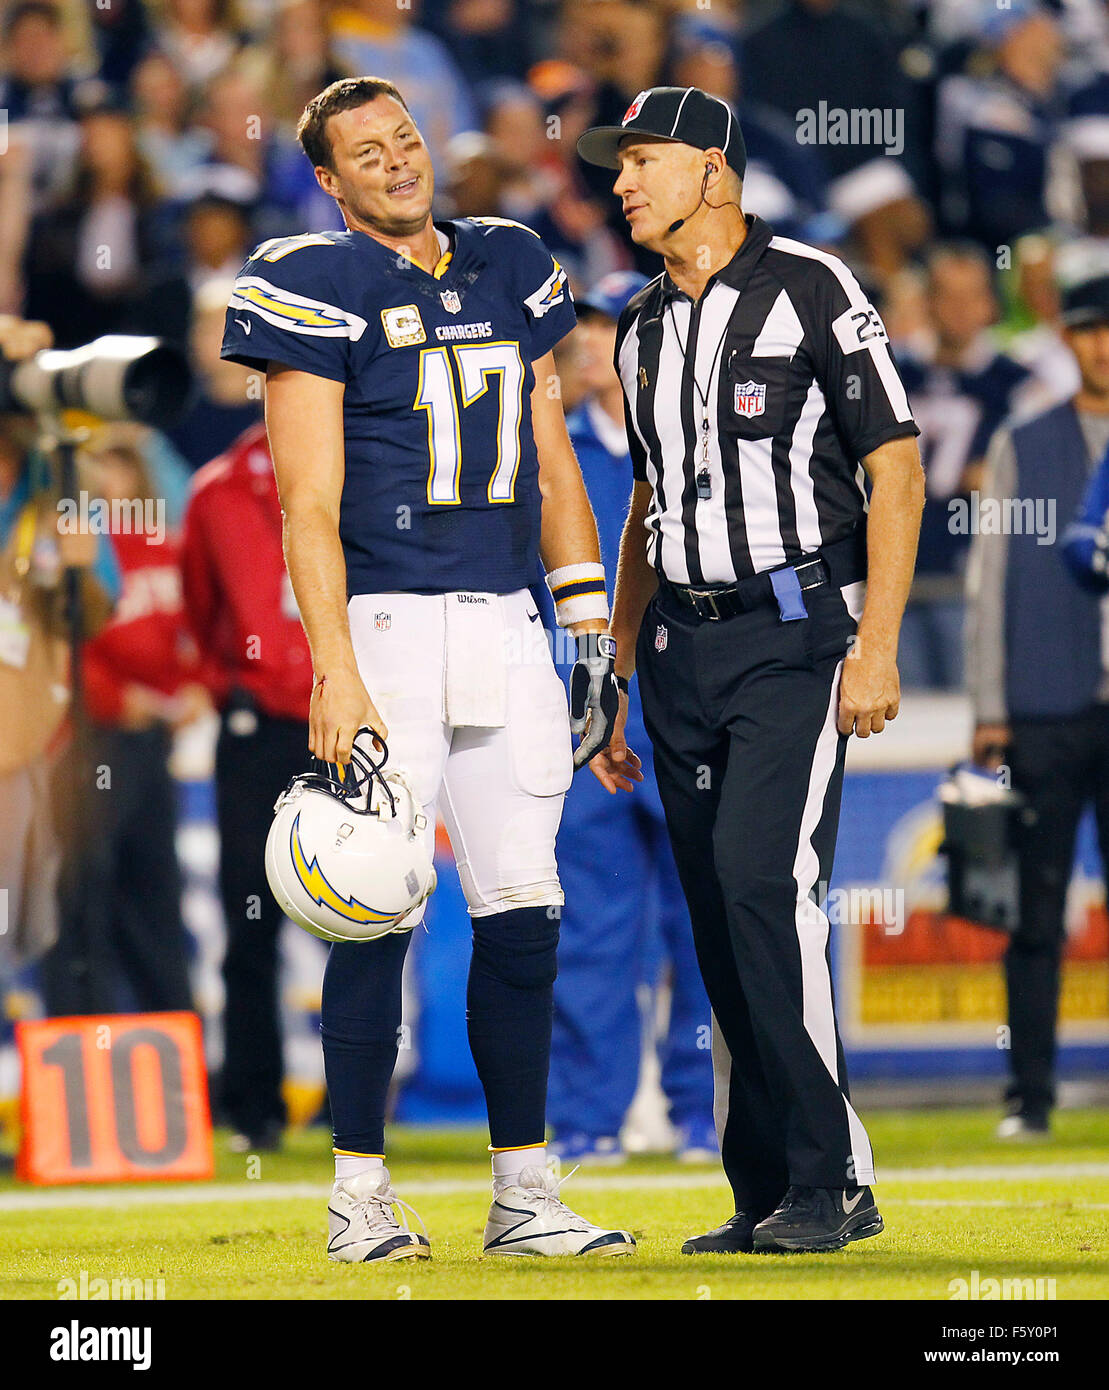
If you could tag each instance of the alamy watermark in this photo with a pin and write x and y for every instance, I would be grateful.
(77, 1343)
(864, 905)
(120, 1288)
(992, 1290)
(538, 645)
(976, 515)
(860, 125)
(122, 516)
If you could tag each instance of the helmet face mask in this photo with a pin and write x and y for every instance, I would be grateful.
(346, 871)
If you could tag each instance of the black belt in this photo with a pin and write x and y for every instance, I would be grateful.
(841, 563)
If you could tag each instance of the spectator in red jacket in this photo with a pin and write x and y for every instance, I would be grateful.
(255, 660)
(122, 942)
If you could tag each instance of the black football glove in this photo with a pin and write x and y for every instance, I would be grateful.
(594, 694)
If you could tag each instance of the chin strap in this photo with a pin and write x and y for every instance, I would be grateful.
(359, 776)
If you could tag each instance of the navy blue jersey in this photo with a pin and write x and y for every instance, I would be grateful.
(993, 140)
(441, 490)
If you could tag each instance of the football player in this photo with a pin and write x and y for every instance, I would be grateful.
(423, 463)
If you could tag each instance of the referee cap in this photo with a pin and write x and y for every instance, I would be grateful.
(685, 115)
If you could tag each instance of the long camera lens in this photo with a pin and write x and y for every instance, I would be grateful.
(117, 377)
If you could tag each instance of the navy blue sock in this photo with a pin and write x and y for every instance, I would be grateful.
(360, 1021)
(509, 1008)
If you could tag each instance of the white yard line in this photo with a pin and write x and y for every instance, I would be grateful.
(188, 1194)
(986, 1202)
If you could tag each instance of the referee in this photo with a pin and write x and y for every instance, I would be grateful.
(759, 387)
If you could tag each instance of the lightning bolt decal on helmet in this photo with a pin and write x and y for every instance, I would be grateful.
(350, 858)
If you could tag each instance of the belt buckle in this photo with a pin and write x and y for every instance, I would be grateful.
(699, 595)
(808, 565)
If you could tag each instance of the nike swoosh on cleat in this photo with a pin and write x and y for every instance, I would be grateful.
(849, 1206)
(612, 1238)
(540, 1235)
(510, 1237)
(386, 1250)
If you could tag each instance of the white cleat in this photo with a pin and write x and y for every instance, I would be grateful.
(362, 1225)
(531, 1219)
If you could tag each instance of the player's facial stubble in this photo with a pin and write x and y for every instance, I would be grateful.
(382, 176)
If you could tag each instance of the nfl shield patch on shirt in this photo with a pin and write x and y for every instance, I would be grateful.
(750, 398)
(661, 638)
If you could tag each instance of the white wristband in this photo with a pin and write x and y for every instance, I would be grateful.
(579, 593)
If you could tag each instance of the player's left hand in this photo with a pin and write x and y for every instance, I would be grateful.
(594, 694)
(869, 690)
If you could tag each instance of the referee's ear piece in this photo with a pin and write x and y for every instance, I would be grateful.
(710, 167)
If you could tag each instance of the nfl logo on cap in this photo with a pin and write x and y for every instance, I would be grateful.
(633, 110)
(750, 398)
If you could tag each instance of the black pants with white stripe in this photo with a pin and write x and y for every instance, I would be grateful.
(742, 716)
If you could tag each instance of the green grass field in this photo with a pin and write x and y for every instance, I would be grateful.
(954, 1201)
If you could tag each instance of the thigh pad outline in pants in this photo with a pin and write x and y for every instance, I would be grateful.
(398, 643)
(504, 787)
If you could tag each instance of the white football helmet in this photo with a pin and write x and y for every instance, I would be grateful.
(348, 860)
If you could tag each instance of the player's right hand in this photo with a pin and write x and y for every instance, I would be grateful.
(616, 767)
(340, 706)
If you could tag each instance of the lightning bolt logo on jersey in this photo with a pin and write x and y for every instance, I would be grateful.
(441, 490)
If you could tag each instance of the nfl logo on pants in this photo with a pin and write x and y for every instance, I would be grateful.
(750, 398)
(383, 622)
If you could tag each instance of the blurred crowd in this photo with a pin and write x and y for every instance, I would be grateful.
(954, 152)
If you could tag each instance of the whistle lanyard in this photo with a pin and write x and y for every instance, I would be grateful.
(703, 476)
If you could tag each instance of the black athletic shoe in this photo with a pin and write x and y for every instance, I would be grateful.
(818, 1218)
(264, 1139)
(733, 1238)
(1024, 1125)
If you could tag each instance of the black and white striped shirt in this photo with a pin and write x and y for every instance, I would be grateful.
(788, 365)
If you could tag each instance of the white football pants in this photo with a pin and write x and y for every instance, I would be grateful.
(477, 717)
